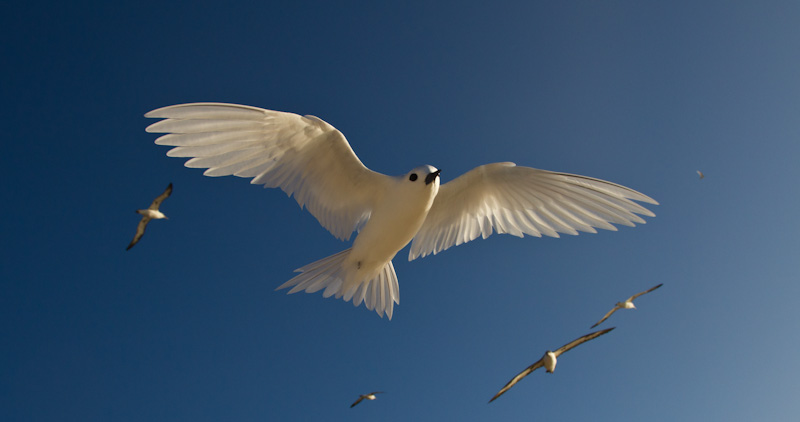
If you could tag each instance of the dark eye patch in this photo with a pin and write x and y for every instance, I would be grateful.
(413, 177)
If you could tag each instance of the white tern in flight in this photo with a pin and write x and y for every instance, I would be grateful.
(310, 159)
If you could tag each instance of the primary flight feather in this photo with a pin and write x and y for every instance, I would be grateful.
(309, 159)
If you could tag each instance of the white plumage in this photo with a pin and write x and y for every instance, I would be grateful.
(309, 159)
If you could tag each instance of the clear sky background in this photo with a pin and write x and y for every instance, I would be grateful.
(187, 325)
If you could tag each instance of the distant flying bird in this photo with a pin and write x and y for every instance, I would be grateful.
(370, 396)
(700, 173)
(549, 360)
(149, 214)
(627, 304)
(310, 159)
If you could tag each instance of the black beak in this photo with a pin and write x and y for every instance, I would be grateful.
(431, 177)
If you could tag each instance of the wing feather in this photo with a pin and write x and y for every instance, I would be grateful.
(302, 155)
(504, 198)
(645, 292)
(518, 378)
(140, 228)
(605, 317)
(565, 348)
(160, 198)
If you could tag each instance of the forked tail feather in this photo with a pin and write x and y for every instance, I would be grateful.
(378, 294)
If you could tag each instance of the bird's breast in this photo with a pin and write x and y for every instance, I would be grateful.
(392, 225)
(550, 361)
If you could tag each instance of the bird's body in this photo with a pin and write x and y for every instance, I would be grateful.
(151, 213)
(626, 304)
(365, 271)
(549, 360)
(393, 223)
(310, 159)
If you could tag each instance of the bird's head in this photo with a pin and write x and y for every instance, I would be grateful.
(423, 177)
(425, 174)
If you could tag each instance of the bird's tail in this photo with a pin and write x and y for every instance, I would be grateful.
(379, 294)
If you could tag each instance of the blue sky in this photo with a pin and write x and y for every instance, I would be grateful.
(187, 325)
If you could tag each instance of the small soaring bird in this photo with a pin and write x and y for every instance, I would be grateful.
(549, 360)
(150, 213)
(370, 396)
(700, 173)
(310, 159)
(627, 304)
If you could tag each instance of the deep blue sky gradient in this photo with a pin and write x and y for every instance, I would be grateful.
(186, 325)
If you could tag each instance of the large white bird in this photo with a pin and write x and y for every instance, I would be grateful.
(310, 159)
(626, 304)
(549, 360)
(148, 214)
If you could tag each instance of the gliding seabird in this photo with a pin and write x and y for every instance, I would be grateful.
(310, 159)
(627, 304)
(549, 360)
(150, 213)
(370, 396)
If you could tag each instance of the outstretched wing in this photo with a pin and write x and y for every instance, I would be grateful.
(645, 292)
(304, 156)
(574, 343)
(160, 198)
(605, 317)
(519, 377)
(505, 198)
(139, 232)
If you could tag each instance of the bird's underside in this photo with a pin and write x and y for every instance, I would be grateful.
(309, 159)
